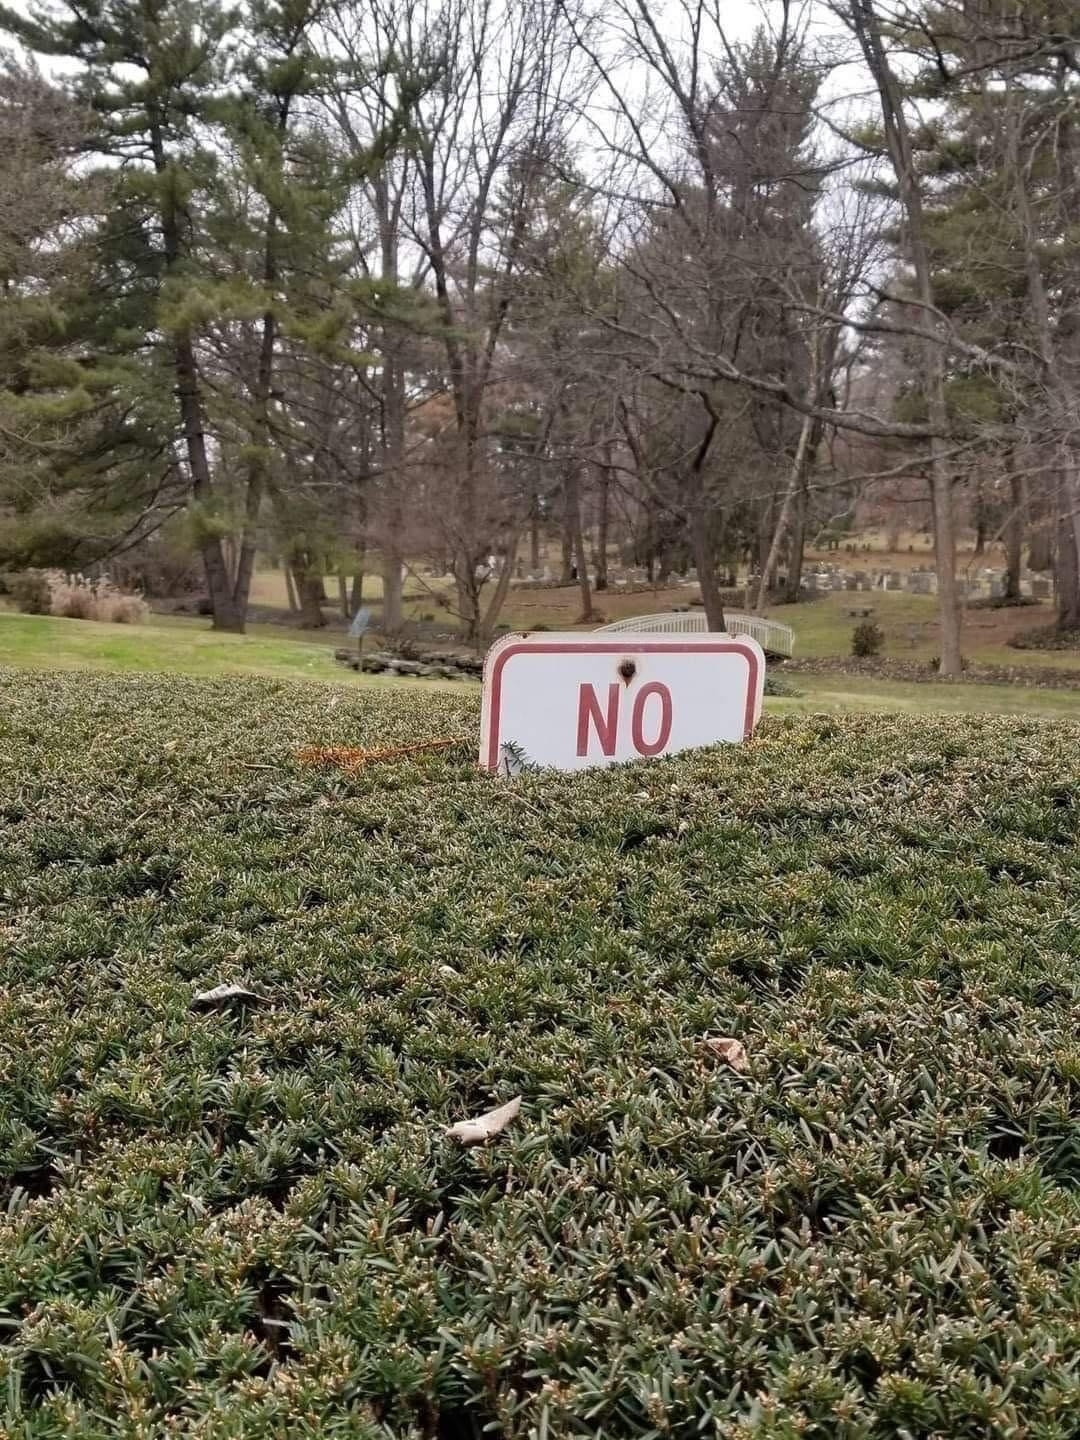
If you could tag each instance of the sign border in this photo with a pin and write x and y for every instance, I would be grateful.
(510, 645)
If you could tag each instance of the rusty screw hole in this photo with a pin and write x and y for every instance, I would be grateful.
(627, 669)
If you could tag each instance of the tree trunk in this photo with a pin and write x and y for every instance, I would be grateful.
(502, 589)
(951, 662)
(468, 602)
(218, 581)
(567, 575)
(706, 569)
(392, 482)
(866, 25)
(343, 595)
(602, 522)
(356, 591)
(797, 546)
(256, 484)
(577, 536)
(393, 589)
(800, 468)
(1041, 543)
(982, 525)
(1014, 537)
(309, 585)
(290, 590)
(534, 535)
(1067, 570)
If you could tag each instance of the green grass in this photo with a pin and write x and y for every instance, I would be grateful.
(249, 1223)
(838, 692)
(180, 646)
(185, 646)
(909, 622)
(823, 627)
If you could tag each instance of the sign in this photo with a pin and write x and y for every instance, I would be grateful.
(360, 622)
(573, 701)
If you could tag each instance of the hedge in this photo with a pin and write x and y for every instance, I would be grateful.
(245, 1218)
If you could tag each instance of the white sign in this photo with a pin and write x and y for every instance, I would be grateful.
(572, 701)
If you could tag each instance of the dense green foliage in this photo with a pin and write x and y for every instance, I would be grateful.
(248, 1222)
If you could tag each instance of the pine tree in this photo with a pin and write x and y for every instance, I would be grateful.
(1002, 161)
(151, 74)
(82, 467)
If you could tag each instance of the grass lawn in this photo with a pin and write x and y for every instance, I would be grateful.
(185, 647)
(910, 626)
(246, 1220)
(838, 692)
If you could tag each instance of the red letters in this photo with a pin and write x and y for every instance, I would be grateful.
(606, 729)
(663, 734)
(607, 726)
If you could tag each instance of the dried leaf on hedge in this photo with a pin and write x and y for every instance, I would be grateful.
(225, 994)
(731, 1050)
(485, 1127)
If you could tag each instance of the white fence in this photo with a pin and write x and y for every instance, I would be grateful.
(774, 638)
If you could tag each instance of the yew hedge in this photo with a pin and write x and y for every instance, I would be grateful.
(248, 1221)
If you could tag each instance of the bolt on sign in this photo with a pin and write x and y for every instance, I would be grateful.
(573, 701)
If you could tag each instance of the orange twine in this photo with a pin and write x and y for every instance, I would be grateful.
(349, 757)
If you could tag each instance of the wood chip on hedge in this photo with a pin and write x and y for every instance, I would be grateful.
(482, 1128)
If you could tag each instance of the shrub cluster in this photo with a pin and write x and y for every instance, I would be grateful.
(867, 639)
(246, 1220)
(1046, 637)
(30, 591)
(76, 597)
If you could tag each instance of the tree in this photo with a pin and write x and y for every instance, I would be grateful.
(866, 25)
(220, 179)
(1005, 80)
(481, 139)
(84, 470)
(723, 241)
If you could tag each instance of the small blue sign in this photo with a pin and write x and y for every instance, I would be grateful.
(361, 621)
